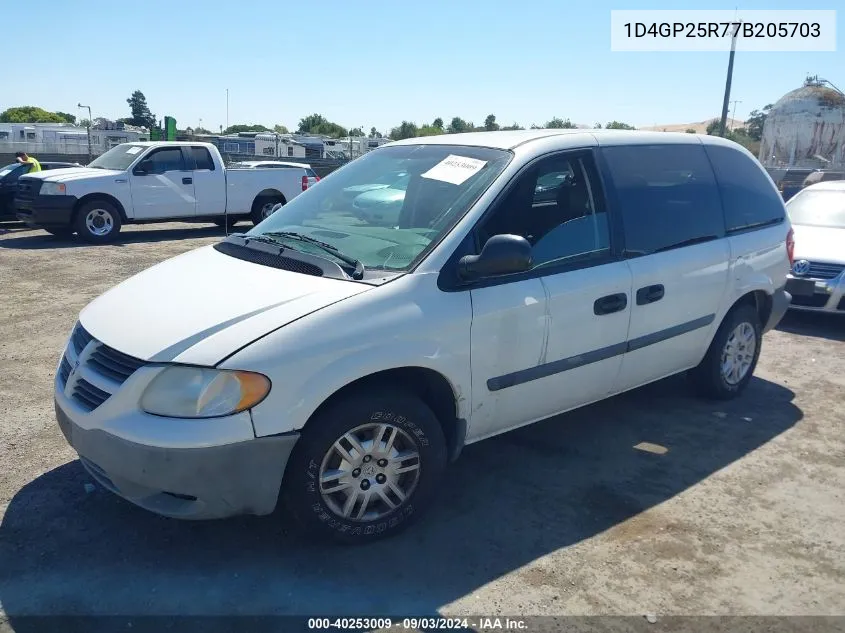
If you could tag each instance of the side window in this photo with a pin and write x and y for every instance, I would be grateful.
(202, 158)
(667, 196)
(748, 197)
(165, 160)
(290, 150)
(558, 206)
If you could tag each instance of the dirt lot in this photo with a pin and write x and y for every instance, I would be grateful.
(743, 514)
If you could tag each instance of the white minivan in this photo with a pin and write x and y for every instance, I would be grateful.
(339, 364)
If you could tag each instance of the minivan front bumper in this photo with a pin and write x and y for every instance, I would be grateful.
(205, 482)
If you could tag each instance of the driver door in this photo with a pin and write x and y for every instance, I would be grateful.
(166, 189)
(550, 339)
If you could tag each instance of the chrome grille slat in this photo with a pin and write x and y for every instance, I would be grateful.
(113, 364)
(87, 394)
(80, 338)
(821, 270)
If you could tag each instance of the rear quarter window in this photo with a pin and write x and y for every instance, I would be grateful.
(667, 195)
(749, 197)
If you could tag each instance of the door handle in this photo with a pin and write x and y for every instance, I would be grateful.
(610, 304)
(650, 294)
(187, 181)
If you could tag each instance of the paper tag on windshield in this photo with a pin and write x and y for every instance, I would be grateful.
(454, 169)
(134, 150)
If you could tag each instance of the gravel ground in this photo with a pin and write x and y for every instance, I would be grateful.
(742, 514)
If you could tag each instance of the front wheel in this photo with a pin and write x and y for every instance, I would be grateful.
(730, 361)
(365, 467)
(263, 208)
(98, 222)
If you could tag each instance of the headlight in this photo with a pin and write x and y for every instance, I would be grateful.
(53, 189)
(199, 392)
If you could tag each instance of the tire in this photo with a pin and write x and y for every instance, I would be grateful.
(60, 232)
(261, 208)
(230, 221)
(97, 222)
(740, 329)
(413, 427)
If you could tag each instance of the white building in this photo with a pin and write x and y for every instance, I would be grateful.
(64, 138)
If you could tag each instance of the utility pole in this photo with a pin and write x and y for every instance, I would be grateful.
(88, 127)
(733, 114)
(726, 100)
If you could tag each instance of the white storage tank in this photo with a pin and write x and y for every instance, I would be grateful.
(806, 128)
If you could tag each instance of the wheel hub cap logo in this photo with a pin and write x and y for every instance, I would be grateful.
(369, 469)
(801, 267)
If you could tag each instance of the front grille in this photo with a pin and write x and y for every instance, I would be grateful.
(28, 188)
(102, 360)
(88, 395)
(64, 370)
(819, 270)
(116, 365)
(80, 338)
(813, 301)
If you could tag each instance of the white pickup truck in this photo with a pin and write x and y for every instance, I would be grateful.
(153, 182)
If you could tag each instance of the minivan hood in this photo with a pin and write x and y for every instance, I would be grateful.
(819, 243)
(201, 306)
(74, 173)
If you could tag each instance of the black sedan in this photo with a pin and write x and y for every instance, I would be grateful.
(9, 183)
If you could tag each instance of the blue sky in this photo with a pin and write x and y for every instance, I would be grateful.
(374, 63)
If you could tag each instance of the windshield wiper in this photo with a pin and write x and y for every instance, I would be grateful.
(356, 265)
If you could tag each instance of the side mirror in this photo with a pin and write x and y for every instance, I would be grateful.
(501, 255)
(144, 167)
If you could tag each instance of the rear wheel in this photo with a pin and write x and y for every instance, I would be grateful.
(365, 467)
(98, 222)
(730, 361)
(263, 207)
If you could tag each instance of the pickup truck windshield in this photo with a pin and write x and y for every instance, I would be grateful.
(390, 227)
(118, 158)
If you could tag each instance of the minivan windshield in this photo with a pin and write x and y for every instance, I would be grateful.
(118, 158)
(825, 208)
(431, 188)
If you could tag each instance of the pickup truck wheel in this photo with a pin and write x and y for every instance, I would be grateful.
(729, 364)
(262, 208)
(365, 467)
(98, 222)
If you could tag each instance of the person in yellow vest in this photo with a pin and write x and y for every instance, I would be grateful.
(23, 158)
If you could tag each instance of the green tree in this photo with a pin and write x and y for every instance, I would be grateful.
(280, 129)
(490, 123)
(438, 122)
(756, 121)
(357, 131)
(141, 115)
(84, 122)
(374, 133)
(201, 130)
(30, 114)
(255, 127)
(597, 126)
(713, 127)
(311, 122)
(514, 126)
(618, 125)
(558, 123)
(690, 130)
(430, 130)
(405, 130)
(318, 124)
(69, 118)
(458, 125)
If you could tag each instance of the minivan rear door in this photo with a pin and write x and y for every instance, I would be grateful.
(675, 245)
